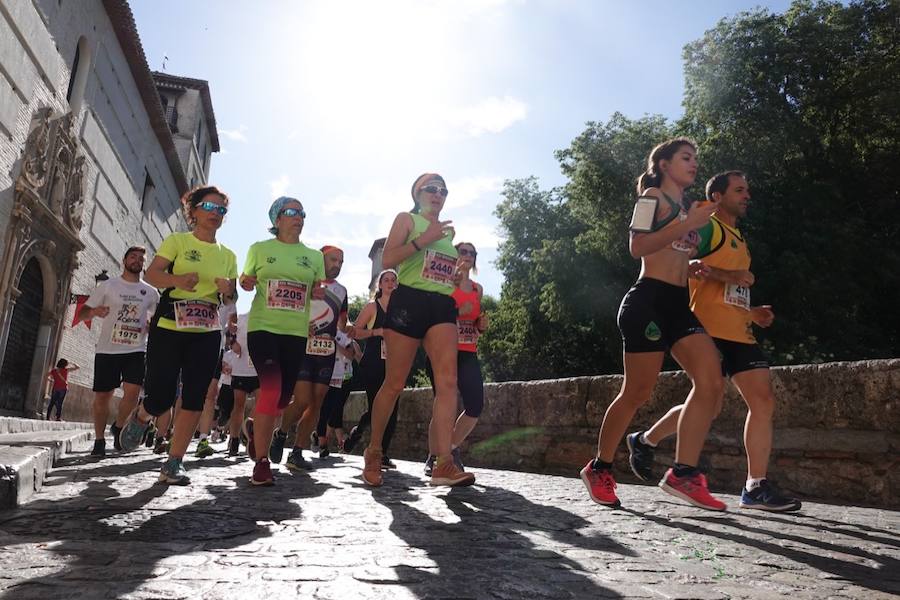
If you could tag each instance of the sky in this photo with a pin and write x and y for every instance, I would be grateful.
(342, 104)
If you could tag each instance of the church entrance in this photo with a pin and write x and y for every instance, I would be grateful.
(22, 341)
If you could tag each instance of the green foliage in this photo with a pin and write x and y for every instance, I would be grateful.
(355, 305)
(805, 102)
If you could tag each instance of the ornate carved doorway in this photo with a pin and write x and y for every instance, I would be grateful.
(22, 339)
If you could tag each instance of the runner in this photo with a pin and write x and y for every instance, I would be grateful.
(225, 401)
(197, 274)
(421, 312)
(371, 366)
(721, 300)
(328, 317)
(227, 316)
(119, 358)
(331, 417)
(655, 317)
(244, 381)
(59, 376)
(470, 324)
(286, 275)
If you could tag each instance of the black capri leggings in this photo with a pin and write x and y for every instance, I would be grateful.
(468, 380)
(170, 353)
(332, 413)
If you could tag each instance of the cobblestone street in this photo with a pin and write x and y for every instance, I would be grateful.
(107, 530)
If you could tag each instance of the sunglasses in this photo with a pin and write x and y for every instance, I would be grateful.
(433, 189)
(465, 252)
(212, 206)
(293, 212)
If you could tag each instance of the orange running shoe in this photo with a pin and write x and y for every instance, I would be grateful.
(372, 470)
(447, 472)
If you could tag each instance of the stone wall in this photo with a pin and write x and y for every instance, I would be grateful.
(837, 429)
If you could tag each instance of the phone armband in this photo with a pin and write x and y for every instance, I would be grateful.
(644, 214)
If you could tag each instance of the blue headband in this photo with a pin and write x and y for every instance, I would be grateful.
(276, 209)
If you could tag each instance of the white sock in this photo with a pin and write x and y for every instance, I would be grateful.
(752, 484)
(643, 439)
(203, 436)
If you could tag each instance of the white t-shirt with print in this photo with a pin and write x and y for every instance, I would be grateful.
(130, 307)
(242, 366)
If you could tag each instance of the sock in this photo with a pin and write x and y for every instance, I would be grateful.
(599, 465)
(203, 436)
(643, 439)
(752, 483)
(682, 470)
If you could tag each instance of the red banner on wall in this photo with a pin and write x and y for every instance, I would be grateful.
(79, 300)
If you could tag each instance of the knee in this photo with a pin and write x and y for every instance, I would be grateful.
(634, 395)
(446, 385)
(763, 406)
(711, 385)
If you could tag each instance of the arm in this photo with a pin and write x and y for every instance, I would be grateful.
(644, 244)
(736, 277)
(94, 306)
(158, 277)
(359, 329)
(762, 315)
(396, 250)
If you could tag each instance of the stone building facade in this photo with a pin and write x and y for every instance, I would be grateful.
(95, 150)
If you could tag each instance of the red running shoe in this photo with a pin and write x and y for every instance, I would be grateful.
(601, 485)
(262, 473)
(691, 489)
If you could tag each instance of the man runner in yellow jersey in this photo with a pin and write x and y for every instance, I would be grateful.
(720, 298)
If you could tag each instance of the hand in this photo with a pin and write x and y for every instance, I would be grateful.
(762, 315)
(187, 282)
(318, 292)
(226, 368)
(248, 282)
(236, 348)
(434, 232)
(482, 322)
(99, 311)
(698, 270)
(379, 332)
(224, 286)
(742, 278)
(699, 214)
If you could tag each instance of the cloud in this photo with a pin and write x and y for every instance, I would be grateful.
(467, 190)
(235, 135)
(491, 115)
(278, 187)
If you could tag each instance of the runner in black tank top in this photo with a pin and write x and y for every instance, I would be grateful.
(371, 365)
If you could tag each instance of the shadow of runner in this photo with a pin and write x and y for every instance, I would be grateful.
(489, 552)
(885, 578)
(100, 544)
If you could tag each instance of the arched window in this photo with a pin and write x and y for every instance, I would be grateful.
(81, 66)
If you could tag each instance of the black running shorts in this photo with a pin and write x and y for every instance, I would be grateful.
(654, 315)
(111, 370)
(738, 357)
(413, 312)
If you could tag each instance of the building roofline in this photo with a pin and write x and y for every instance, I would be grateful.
(203, 87)
(119, 13)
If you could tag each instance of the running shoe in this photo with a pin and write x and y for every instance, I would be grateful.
(456, 453)
(314, 442)
(429, 464)
(371, 474)
(234, 446)
(447, 473)
(324, 452)
(352, 440)
(296, 462)
(132, 432)
(160, 446)
(276, 449)
(262, 473)
(149, 435)
(640, 456)
(387, 463)
(173, 473)
(248, 436)
(99, 450)
(767, 497)
(600, 484)
(691, 489)
(114, 432)
(204, 449)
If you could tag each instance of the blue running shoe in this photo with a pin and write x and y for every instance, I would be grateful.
(132, 433)
(767, 497)
(173, 472)
(640, 456)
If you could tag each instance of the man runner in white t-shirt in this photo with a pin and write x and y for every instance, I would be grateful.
(125, 304)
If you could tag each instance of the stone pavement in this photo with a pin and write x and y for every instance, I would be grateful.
(106, 530)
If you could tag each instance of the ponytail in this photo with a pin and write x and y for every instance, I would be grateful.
(652, 176)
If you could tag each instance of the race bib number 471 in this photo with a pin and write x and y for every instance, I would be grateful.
(286, 294)
(438, 267)
(736, 295)
(196, 314)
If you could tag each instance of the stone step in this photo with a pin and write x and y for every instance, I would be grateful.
(19, 425)
(27, 457)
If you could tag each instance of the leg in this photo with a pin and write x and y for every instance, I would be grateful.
(310, 416)
(131, 393)
(756, 388)
(698, 356)
(163, 422)
(209, 407)
(197, 372)
(400, 355)
(471, 388)
(641, 371)
(101, 413)
(237, 413)
(440, 345)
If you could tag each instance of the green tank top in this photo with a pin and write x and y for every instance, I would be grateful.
(431, 269)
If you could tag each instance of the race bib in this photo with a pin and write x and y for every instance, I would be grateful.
(688, 241)
(468, 335)
(383, 350)
(736, 295)
(196, 314)
(438, 267)
(319, 345)
(125, 335)
(286, 294)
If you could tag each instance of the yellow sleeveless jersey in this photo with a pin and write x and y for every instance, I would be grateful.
(723, 309)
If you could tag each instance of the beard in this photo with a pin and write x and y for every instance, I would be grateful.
(133, 269)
